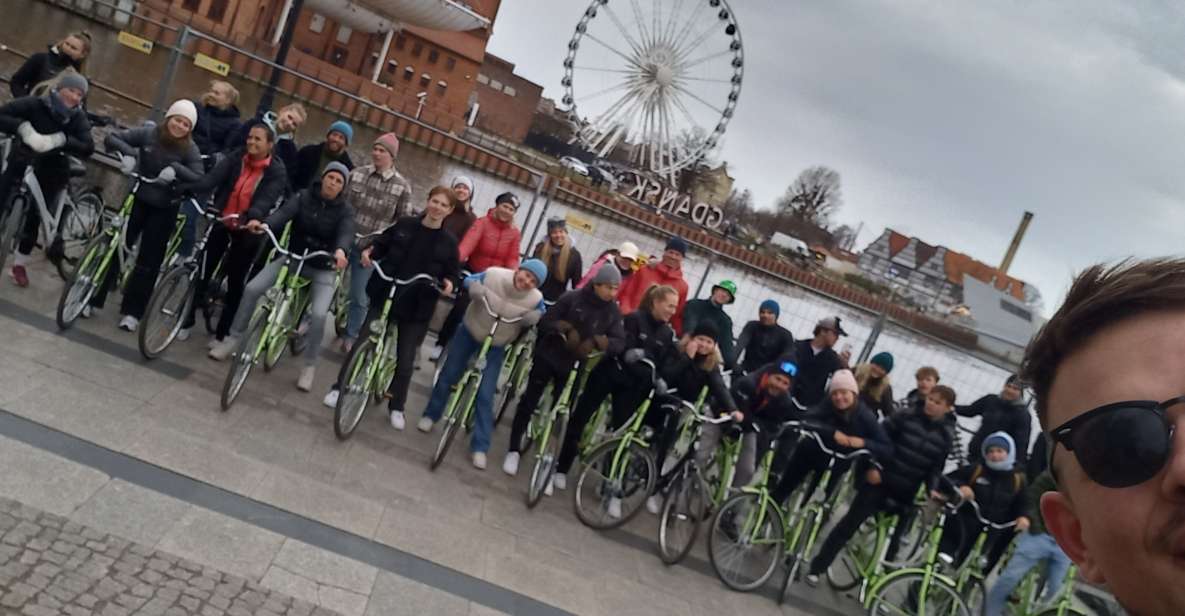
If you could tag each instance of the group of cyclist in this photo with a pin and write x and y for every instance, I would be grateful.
(634, 315)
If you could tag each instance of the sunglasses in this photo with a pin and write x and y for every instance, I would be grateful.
(1119, 445)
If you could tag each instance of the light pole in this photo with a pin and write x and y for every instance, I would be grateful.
(291, 16)
(423, 97)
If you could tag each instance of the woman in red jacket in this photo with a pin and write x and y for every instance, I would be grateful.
(492, 241)
(668, 271)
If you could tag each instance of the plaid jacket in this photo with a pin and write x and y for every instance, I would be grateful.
(379, 198)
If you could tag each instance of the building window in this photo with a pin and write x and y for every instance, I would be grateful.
(509, 91)
(417, 49)
(441, 86)
(400, 42)
(191, 5)
(391, 66)
(408, 72)
(433, 56)
(338, 55)
(496, 85)
(450, 63)
(317, 23)
(482, 79)
(425, 79)
(343, 34)
(217, 10)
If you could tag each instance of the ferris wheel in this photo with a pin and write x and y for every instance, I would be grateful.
(660, 78)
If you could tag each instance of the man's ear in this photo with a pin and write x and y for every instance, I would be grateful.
(1063, 524)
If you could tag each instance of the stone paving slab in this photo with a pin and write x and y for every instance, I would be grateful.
(50, 565)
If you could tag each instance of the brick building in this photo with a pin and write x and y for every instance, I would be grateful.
(507, 102)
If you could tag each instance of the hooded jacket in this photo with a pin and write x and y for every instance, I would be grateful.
(37, 112)
(490, 242)
(317, 223)
(766, 411)
(763, 344)
(215, 127)
(814, 369)
(496, 287)
(568, 329)
(999, 415)
(41, 66)
(144, 144)
(858, 421)
(686, 377)
(705, 310)
(223, 177)
(633, 288)
(1000, 493)
(921, 446)
(405, 249)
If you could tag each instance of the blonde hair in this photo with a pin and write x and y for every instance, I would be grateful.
(652, 295)
(296, 108)
(230, 89)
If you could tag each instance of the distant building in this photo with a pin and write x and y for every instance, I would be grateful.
(507, 102)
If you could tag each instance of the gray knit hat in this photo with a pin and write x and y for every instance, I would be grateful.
(336, 167)
(608, 274)
(73, 80)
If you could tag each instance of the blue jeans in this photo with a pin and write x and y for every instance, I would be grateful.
(460, 349)
(359, 300)
(1031, 551)
(188, 229)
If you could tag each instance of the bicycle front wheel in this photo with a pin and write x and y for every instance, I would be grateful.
(455, 417)
(10, 224)
(614, 484)
(974, 595)
(353, 390)
(166, 311)
(848, 570)
(745, 543)
(545, 461)
(277, 342)
(243, 359)
(87, 278)
(683, 509)
(903, 596)
(81, 222)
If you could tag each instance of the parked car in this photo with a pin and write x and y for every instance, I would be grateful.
(575, 164)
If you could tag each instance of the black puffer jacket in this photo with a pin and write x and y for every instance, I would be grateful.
(686, 377)
(568, 329)
(317, 223)
(763, 344)
(1000, 494)
(999, 415)
(858, 421)
(40, 67)
(920, 447)
(36, 111)
(655, 339)
(408, 248)
(215, 127)
(144, 144)
(221, 179)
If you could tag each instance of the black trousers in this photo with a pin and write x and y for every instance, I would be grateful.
(869, 500)
(606, 378)
(542, 373)
(807, 459)
(53, 173)
(460, 305)
(240, 248)
(410, 336)
(151, 227)
(959, 535)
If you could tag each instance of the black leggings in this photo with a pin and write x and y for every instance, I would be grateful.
(240, 248)
(606, 378)
(454, 318)
(868, 501)
(151, 227)
(808, 459)
(542, 373)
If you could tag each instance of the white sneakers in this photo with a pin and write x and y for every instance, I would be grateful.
(654, 504)
(549, 489)
(812, 580)
(305, 382)
(129, 323)
(222, 350)
(183, 334)
(510, 464)
(479, 460)
(88, 312)
(425, 424)
(398, 421)
(560, 480)
(435, 354)
(330, 399)
(615, 508)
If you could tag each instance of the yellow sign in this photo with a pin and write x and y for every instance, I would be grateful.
(579, 223)
(131, 40)
(212, 64)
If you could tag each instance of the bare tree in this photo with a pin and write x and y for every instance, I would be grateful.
(814, 197)
(843, 236)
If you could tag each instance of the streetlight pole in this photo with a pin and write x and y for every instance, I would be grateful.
(290, 18)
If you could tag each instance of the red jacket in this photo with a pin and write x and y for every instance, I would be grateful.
(629, 296)
(490, 243)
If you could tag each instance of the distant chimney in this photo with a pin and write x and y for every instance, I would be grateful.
(1015, 245)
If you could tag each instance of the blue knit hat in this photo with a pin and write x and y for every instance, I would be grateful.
(884, 359)
(343, 127)
(537, 269)
(677, 243)
(771, 306)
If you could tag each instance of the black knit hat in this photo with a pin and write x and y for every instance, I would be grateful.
(705, 328)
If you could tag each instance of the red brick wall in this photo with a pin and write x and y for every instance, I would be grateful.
(502, 114)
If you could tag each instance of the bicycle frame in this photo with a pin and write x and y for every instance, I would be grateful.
(382, 335)
(284, 293)
(929, 570)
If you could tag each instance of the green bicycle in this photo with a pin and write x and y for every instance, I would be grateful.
(970, 576)
(512, 380)
(695, 491)
(274, 321)
(370, 367)
(1029, 591)
(459, 410)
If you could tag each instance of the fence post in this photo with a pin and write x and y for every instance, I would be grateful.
(531, 211)
(166, 85)
(873, 336)
(707, 272)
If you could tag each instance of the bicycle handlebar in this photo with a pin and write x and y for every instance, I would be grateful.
(209, 213)
(812, 431)
(307, 255)
(493, 315)
(417, 278)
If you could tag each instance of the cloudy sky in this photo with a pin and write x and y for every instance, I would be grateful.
(947, 120)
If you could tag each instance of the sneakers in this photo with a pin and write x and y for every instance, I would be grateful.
(222, 350)
(20, 276)
(654, 504)
(212, 342)
(560, 480)
(398, 421)
(479, 460)
(183, 334)
(129, 323)
(330, 399)
(435, 355)
(88, 311)
(425, 424)
(812, 579)
(305, 382)
(548, 489)
(614, 508)
(510, 464)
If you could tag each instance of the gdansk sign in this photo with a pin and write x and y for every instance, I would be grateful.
(667, 199)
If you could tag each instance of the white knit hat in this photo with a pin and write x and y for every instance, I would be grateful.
(185, 109)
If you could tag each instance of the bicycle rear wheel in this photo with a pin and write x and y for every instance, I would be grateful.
(545, 460)
(512, 387)
(10, 224)
(353, 391)
(455, 417)
(745, 543)
(166, 311)
(683, 509)
(244, 359)
(612, 488)
(848, 570)
(902, 596)
(81, 222)
(78, 290)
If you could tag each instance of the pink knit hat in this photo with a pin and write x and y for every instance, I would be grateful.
(843, 379)
(390, 143)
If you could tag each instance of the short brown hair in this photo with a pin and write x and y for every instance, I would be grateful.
(947, 393)
(444, 190)
(926, 371)
(1100, 297)
(653, 294)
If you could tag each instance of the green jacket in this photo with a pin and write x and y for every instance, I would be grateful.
(698, 310)
(1042, 484)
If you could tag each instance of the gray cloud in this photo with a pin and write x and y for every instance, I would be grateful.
(947, 120)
